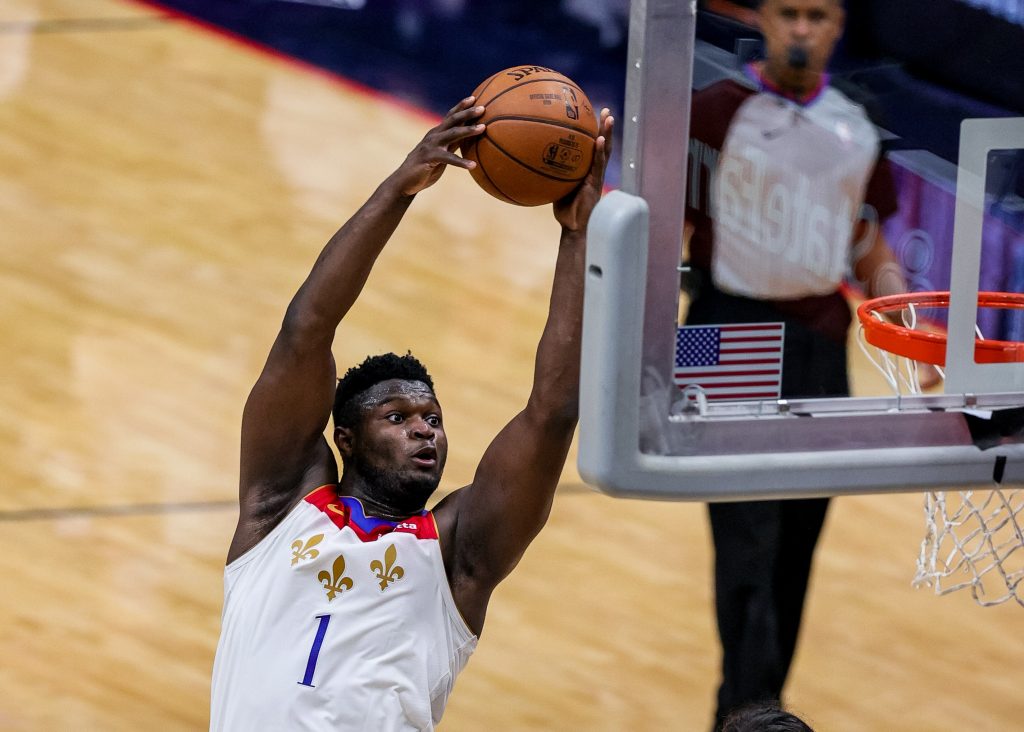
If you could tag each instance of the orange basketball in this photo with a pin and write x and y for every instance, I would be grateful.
(540, 134)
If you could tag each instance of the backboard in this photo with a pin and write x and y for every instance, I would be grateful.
(649, 428)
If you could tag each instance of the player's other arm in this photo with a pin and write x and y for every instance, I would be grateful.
(490, 523)
(283, 451)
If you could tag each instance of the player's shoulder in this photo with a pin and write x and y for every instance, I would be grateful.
(714, 106)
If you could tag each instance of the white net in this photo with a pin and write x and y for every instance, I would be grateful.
(973, 539)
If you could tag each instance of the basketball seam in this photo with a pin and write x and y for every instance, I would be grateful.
(490, 180)
(487, 84)
(517, 118)
(541, 173)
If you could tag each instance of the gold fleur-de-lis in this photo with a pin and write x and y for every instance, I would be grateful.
(337, 583)
(304, 550)
(387, 572)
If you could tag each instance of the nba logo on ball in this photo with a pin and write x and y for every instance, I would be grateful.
(539, 141)
(564, 156)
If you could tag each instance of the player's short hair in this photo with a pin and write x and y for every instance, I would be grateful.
(373, 370)
(764, 718)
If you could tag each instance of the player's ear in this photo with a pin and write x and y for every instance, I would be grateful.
(343, 438)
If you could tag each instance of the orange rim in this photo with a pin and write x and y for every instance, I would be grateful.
(920, 345)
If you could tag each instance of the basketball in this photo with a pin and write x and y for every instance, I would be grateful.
(539, 140)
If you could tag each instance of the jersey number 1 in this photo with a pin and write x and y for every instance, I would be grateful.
(314, 652)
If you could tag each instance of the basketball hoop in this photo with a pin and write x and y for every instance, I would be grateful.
(929, 347)
(975, 541)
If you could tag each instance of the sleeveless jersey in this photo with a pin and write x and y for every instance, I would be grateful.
(338, 621)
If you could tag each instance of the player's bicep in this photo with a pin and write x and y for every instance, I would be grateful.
(286, 412)
(510, 498)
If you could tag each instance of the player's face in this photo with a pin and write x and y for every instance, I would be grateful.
(799, 37)
(400, 446)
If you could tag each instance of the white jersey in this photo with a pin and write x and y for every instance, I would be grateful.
(338, 621)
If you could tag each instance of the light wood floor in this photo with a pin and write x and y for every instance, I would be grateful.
(163, 190)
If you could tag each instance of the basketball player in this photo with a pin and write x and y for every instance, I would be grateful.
(787, 191)
(347, 605)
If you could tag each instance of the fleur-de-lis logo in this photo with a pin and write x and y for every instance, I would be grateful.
(337, 582)
(387, 572)
(304, 550)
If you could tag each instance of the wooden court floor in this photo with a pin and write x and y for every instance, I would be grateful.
(163, 190)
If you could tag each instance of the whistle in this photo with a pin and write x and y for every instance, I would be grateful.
(796, 57)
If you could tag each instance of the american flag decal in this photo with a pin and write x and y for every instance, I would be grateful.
(731, 361)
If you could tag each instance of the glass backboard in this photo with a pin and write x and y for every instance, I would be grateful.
(693, 388)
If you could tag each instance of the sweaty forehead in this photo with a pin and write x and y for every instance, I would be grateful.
(385, 391)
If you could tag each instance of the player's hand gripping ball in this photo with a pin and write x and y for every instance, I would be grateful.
(539, 140)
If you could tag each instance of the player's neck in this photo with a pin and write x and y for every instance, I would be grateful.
(799, 87)
(391, 502)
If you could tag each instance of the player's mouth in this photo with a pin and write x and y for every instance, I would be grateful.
(425, 457)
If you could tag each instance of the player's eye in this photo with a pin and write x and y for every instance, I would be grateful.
(434, 421)
(394, 418)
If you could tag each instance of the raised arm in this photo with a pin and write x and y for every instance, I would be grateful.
(284, 454)
(486, 527)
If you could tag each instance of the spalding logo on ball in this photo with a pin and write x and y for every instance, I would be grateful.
(540, 134)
